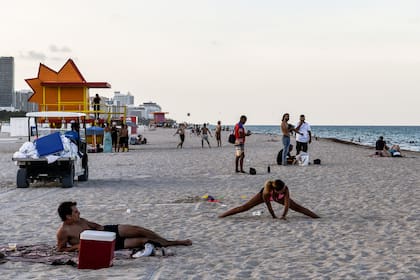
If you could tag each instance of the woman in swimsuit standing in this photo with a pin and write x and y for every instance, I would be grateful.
(272, 191)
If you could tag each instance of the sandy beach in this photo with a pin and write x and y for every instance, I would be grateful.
(369, 211)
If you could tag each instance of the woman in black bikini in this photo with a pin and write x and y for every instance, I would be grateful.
(272, 191)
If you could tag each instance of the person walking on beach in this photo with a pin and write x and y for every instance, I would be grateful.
(304, 137)
(127, 236)
(286, 129)
(205, 132)
(272, 191)
(240, 135)
(218, 133)
(96, 105)
(181, 132)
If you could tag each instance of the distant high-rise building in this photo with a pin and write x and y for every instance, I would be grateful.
(21, 101)
(7, 79)
(138, 111)
(150, 108)
(123, 99)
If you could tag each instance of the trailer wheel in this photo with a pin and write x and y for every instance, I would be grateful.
(22, 178)
(68, 180)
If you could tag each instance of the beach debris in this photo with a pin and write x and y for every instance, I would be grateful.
(257, 213)
(243, 196)
(210, 198)
(128, 211)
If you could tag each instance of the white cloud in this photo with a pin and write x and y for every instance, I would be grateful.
(55, 49)
(33, 55)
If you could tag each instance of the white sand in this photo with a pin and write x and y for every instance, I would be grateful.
(369, 207)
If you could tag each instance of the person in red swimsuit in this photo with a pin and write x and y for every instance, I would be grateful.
(272, 191)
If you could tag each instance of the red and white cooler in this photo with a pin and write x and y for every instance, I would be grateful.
(96, 249)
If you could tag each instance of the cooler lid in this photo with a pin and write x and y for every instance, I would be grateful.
(97, 235)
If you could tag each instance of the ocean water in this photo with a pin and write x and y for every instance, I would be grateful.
(408, 137)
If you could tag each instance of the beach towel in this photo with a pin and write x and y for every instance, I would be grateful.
(47, 254)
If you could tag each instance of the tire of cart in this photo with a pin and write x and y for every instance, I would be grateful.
(68, 180)
(85, 175)
(85, 166)
(22, 180)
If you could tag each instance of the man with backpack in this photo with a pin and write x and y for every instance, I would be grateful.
(240, 134)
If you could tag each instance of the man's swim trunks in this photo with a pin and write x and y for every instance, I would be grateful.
(119, 241)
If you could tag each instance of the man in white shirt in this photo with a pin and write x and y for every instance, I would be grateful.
(304, 136)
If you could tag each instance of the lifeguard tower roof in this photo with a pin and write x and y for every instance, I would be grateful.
(77, 84)
(159, 117)
(65, 90)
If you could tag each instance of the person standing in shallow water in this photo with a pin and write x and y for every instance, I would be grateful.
(276, 191)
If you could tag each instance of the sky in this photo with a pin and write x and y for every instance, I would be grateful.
(338, 62)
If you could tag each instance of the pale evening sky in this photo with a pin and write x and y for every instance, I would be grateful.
(337, 62)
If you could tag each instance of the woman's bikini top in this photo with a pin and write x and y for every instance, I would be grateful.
(273, 198)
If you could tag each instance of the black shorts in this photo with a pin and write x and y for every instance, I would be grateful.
(301, 146)
(119, 241)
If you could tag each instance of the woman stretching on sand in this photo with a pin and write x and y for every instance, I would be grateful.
(272, 191)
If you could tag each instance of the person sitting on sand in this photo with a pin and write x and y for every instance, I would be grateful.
(290, 159)
(395, 151)
(272, 191)
(127, 236)
(381, 147)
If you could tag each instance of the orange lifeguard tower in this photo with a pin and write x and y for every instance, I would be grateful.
(65, 90)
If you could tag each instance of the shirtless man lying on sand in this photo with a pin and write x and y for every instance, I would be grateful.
(127, 236)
